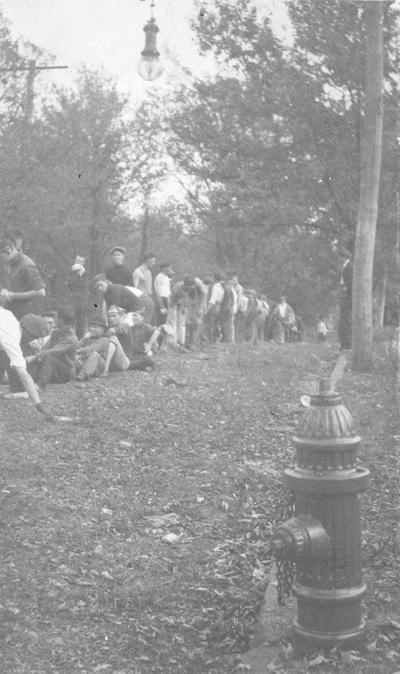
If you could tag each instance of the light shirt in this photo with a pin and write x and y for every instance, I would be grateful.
(217, 293)
(10, 337)
(143, 279)
(282, 307)
(235, 300)
(243, 303)
(322, 329)
(162, 285)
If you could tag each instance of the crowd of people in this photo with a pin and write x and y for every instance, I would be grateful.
(120, 319)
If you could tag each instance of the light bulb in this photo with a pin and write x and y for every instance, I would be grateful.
(150, 68)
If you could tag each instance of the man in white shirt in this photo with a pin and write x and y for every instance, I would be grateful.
(10, 337)
(162, 291)
(142, 276)
(214, 307)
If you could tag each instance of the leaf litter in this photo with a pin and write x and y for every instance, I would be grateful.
(83, 568)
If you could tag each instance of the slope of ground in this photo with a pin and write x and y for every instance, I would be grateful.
(134, 539)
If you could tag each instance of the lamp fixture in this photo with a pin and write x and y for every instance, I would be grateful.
(149, 66)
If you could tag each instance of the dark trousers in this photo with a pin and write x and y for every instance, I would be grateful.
(51, 370)
(79, 306)
(142, 363)
(226, 325)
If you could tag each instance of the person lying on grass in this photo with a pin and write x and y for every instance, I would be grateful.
(136, 339)
(10, 336)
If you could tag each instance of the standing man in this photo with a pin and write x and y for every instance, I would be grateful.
(214, 307)
(162, 291)
(196, 300)
(142, 276)
(26, 289)
(117, 272)
(226, 313)
(77, 284)
(345, 300)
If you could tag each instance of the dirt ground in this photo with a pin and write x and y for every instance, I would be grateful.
(135, 538)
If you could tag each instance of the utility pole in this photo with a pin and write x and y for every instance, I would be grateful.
(32, 70)
(369, 189)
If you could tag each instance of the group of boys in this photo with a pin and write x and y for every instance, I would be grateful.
(128, 318)
(40, 347)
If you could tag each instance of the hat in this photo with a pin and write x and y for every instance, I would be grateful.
(118, 249)
(99, 277)
(97, 320)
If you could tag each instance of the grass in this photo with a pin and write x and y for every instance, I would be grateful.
(135, 539)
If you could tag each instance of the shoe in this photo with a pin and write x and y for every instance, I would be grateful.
(17, 394)
(42, 409)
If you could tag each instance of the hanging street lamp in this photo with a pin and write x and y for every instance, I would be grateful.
(149, 66)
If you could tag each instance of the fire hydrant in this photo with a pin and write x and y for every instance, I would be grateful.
(323, 538)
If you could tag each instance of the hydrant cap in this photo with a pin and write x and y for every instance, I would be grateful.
(326, 419)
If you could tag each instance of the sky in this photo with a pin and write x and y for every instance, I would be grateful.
(109, 34)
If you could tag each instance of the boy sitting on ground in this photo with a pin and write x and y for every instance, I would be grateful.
(55, 363)
(91, 350)
(128, 332)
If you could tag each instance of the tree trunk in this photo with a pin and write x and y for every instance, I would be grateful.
(369, 189)
(94, 259)
(380, 300)
(144, 240)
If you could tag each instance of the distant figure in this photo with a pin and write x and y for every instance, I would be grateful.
(142, 276)
(26, 289)
(77, 284)
(322, 330)
(196, 299)
(117, 272)
(345, 300)
(162, 292)
(238, 290)
(282, 321)
(217, 293)
(261, 317)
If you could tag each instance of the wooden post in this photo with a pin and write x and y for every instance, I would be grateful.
(369, 189)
